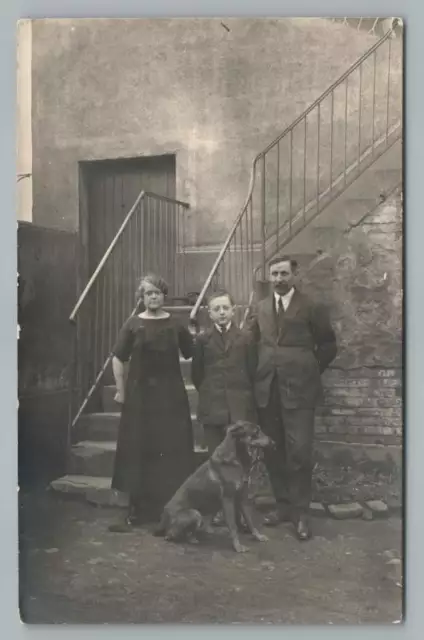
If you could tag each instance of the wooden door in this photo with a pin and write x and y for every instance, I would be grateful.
(111, 189)
(113, 186)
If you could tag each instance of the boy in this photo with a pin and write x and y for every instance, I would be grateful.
(223, 369)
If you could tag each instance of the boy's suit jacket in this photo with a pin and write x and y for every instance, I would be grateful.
(223, 373)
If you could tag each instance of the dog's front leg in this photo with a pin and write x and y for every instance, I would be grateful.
(247, 515)
(243, 509)
(228, 507)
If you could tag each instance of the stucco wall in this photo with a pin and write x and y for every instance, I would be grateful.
(109, 89)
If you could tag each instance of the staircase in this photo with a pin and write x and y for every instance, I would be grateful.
(91, 459)
(322, 175)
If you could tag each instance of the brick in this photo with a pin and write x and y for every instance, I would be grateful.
(362, 392)
(359, 439)
(362, 383)
(363, 421)
(382, 412)
(364, 402)
(391, 382)
(363, 372)
(345, 511)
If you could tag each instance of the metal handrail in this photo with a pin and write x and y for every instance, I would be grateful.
(104, 329)
(317, 102)
(113, 244)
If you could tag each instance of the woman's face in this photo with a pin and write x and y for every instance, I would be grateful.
(153, 297)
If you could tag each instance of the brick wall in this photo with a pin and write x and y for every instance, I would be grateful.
(361, 405)
(360, 278)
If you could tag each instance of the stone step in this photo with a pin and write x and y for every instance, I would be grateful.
(96, 458)
(186, 369)
(109, 404)
(103, 427)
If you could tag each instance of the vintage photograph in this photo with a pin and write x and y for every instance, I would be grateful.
(210, 306)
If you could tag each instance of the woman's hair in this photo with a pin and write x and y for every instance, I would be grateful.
(153, 279)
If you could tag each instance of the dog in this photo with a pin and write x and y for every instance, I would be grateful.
(219, 483)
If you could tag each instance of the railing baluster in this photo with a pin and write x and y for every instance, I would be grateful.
(291, 182)
(102, 321)
(304, 171)
(331, 140)
(240, 261)
(388, 91)
(167, 243)
(318, 152)
(345, 130)
(373, 99)
(359, 115)
(177, 255)
(110, 301)
(94, 328)
(230, 267)
(278, 194)
(131, 260)
(263, 216)
(246, 232)
(182, 213)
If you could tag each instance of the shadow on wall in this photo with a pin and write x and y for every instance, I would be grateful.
(47, 290)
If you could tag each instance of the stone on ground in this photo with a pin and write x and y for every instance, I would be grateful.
(345, 511)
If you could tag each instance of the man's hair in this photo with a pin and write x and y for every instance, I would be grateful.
(277, 260)
(218, 294)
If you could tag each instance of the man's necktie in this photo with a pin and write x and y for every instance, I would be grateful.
(280, 308)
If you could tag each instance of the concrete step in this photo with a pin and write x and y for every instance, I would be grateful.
(186, 369)
(96, 458)
(103, 427)
(110, 406)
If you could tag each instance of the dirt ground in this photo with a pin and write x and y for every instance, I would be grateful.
(74, 571)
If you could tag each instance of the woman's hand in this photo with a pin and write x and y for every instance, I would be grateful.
(119, 397)
(193, 328)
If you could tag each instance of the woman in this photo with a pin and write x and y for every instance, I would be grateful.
(155, 443)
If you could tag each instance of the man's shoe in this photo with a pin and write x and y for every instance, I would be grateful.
(276, 517)
(303, 528)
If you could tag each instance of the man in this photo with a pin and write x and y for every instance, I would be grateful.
(295, 343)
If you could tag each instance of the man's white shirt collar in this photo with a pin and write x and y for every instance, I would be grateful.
(286, 299)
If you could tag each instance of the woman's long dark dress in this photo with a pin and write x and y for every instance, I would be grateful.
(155, 443)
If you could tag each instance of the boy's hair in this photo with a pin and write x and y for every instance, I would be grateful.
(278, 259)
(218, 294)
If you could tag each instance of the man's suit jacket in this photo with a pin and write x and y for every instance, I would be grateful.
(296, 349)
(223, 374)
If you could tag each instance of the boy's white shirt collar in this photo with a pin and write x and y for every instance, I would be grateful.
(227, 327)
(286, 298)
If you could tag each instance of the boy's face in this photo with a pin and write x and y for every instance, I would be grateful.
(221, 311)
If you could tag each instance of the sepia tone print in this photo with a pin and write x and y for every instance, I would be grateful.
(210, 233)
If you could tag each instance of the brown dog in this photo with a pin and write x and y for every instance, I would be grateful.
(219, 483)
